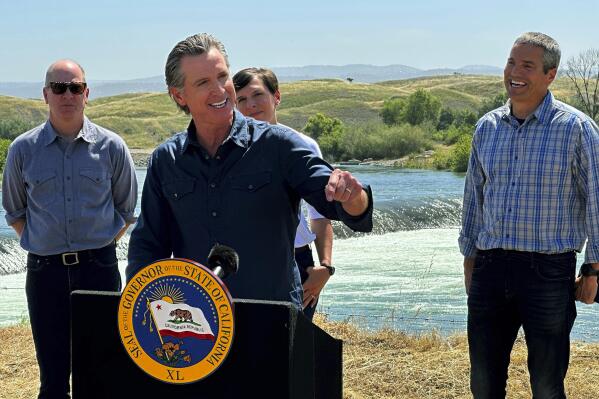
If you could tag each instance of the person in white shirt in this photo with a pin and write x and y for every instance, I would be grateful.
(257, 91)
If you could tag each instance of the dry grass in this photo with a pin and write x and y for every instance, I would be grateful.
(391, 364)
(18, 367)
(384, 364)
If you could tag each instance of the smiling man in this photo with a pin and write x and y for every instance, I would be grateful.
(531, 199)
(69, 191)
(234, 181)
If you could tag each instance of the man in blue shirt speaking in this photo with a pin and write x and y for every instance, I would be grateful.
(69, 190)
(235, 181)
(531, 199)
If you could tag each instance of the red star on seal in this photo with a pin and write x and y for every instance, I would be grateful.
(158, 307)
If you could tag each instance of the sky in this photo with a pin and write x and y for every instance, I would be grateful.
(123, 39)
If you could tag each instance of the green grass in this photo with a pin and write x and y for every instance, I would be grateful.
(146, 119)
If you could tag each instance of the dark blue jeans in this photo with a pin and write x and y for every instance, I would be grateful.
(511, 289)
(48, 286)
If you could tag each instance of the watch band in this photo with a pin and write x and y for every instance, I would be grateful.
(330, 268)
(586, 270)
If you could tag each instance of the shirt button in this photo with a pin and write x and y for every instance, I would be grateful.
(206, 156)
(212, 185)
(218, 157)
(516, 157)
(68, 177)
(513, 184)
(507, 236)
(251, 187)
(70, 220)
(509, 210)
(214, 213)
(175, 195)
(68, 200)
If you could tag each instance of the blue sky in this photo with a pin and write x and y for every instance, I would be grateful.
(131, 39)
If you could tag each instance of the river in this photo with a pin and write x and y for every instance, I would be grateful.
(407, 274)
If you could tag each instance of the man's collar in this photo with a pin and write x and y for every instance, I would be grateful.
(87, 132)
(239, 133)
(542, 113)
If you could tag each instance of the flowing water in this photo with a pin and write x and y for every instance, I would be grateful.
(407, 274)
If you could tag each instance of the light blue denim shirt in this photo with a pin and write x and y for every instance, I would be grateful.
(74, 198)
(535, 186)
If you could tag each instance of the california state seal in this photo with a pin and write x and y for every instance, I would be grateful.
(176, 321)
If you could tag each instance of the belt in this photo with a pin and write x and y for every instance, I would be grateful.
(72, 258)
(305, 248)
(501, 251)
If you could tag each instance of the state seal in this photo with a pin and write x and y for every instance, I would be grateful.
(176, 321)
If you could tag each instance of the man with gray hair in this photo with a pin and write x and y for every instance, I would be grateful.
(531, 199)
(236, 181)
(69, 191)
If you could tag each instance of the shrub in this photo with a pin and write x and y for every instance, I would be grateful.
(4, 143)
(461, 153)
(392, 111)
(11, 128)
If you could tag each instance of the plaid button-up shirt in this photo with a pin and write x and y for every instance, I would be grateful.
(533, 187)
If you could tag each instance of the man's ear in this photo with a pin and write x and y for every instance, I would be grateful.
(176, 95)
(45, 93)
(551, 75)
(277, 97)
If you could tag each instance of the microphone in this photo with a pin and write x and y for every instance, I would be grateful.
(223, 260)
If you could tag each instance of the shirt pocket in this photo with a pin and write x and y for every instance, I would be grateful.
(41, 187)
(178, 189)
(251, 182)
(94, 187)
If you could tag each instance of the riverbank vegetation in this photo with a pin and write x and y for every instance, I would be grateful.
(383, 364)
(386, 120)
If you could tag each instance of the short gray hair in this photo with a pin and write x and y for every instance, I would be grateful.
(551, 50)
(194, 45)
(52, 67)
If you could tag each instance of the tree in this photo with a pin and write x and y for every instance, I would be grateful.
(583, 71)
(492, 103)
(446, 118)
(349, 79)
(329, 134)
(320, 124)
(421, 106)
(465, 117)
(392, 111)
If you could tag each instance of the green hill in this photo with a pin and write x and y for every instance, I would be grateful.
(146, 119)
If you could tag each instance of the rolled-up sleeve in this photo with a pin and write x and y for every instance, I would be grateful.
(124, 183)
(14, 195)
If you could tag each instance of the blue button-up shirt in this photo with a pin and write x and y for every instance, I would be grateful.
(246, 197)
(533, 187)
(72, 198)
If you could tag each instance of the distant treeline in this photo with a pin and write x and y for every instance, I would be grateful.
(407, 126)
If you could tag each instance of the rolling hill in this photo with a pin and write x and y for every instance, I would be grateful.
(146, 119)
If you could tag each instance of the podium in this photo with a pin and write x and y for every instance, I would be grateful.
(276, 353)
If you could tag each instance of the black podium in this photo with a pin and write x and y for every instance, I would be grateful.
(276, 353)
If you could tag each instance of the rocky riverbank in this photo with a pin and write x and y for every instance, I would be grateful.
(140, 156)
